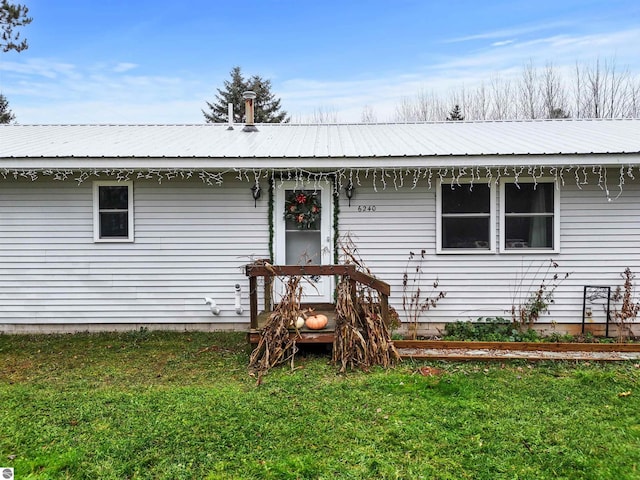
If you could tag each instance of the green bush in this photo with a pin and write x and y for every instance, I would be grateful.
(489, 329)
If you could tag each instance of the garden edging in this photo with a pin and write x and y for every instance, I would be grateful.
(460, 350)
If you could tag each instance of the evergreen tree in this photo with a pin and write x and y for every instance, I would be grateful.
(558, 113)
(6, 115)
(12, 16)
(455, 114)
(267, 106)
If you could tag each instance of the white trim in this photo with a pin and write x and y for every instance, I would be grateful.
(556, 216)
(324, 163)
(492, 221)
(96, 212)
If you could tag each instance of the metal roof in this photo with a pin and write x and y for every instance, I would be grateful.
(322, 141)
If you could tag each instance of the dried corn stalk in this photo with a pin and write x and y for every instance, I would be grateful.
(276, 344)
(361, 338)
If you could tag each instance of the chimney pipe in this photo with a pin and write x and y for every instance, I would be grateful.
(249, 97)
(230, 114)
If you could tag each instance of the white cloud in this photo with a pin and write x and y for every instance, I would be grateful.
(502, 43)
(511, 32)
(38, 67)
(43, 91)
(384, 92)
(49, 91)
(124, 67)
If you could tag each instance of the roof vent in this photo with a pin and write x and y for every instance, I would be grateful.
(230, 113)
(249, 97)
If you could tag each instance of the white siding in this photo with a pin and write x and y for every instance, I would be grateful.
(599, 238)
(191, 241)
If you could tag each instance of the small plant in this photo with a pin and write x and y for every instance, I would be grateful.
(138, 336)
(394, 319)
(557, 337)
(414, 303)
(490, 329)
(629, 308)
(528, 305)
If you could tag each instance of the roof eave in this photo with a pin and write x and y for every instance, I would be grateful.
(321, 163)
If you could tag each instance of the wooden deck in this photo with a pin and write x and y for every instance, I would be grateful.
(261, 268)
(304, 335)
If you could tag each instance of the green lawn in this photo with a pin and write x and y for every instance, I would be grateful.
(182, 405)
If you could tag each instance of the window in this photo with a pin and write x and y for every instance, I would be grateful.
(466, 218)
(113, 211)
(529, 217)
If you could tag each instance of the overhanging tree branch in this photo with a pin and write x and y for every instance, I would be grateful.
(13, 16)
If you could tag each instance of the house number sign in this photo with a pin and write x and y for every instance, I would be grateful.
(366, 208)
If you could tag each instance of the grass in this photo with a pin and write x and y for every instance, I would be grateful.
(181, 405)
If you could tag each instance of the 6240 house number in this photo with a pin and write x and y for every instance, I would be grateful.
(366, 208)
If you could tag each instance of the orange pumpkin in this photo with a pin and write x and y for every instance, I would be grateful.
(316, 322)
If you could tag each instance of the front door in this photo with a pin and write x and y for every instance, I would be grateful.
(303, 235)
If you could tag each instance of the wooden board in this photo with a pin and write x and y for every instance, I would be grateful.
(528, 346)
(306, 335)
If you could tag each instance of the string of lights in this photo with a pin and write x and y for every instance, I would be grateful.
(380, 178)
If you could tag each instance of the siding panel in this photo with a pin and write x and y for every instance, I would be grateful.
(599, 239)
(191, 241)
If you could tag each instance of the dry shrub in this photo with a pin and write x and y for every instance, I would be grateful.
(628, 310)
(415, 301)
(361, 339)
(527, 305)
(276, 344)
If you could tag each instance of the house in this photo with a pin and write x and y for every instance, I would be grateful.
(108, 227)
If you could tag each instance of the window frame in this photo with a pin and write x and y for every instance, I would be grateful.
(97, 212)
(555, 223)
(492, 219)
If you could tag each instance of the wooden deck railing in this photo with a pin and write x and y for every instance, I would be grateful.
(349, 272)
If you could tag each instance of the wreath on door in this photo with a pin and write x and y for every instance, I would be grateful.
(303, 209)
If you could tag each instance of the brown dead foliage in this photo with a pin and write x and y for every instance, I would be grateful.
(361, 339)
(430, 371)
(628, 310)
(276, 344)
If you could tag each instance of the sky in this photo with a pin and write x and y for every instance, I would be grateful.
(160, 61)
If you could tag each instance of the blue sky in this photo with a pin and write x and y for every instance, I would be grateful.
(143, 61)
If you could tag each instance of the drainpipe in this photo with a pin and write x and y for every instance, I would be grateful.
(239, 308)
(212, 305)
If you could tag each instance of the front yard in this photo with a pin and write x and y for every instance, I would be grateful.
(182, 405)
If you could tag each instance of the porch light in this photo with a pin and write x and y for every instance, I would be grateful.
(349, 191)
(255, 193)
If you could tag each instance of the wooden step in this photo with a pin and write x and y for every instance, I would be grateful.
(306, 335)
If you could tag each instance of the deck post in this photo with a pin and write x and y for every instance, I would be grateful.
(268, 290)
(253, 301)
